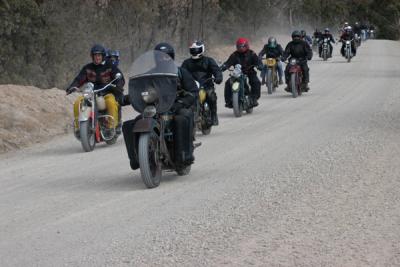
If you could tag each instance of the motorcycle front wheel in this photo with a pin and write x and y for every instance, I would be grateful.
(293, 85)
(87, 134)
(237, 107)
(150, 168)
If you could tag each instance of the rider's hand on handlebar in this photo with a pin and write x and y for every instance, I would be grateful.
(71, 90)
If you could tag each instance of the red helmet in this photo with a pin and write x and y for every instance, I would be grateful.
(242, 45)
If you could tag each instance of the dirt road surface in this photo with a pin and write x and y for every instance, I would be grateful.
(312, 181)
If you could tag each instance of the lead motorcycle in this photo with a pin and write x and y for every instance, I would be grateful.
(240, 91)
(325, 49)
(348, 54)
(95, 124)
(152, 92)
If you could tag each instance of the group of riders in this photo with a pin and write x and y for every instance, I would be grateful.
(104, 68)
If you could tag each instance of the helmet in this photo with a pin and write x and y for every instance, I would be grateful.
(113, 55)
(98, 49)
(166, 48)
(327, 30)
(347, 29)
(272, 42)
(346, 24)
(242, 45)
(303, 33)
(296, 34)
(197, 49)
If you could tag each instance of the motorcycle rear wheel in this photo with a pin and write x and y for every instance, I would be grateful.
(87, 135)
(150, 168)
(237, 107)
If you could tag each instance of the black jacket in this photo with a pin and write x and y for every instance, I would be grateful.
(298, 49)
(276, 52)
(100, 75)
(203, 69)
(187, 88)
(248, 60)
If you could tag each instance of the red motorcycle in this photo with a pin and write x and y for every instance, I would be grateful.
(296, 77)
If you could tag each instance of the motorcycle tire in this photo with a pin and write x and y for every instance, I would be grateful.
(269, 81)
(112, 141)
(237, 107)
(293, 85)
(87, 135)
(150, 170)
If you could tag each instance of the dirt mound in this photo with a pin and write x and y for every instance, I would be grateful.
(29, 115)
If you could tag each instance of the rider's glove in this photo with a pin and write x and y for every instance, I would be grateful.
(70, 90)
(223, 67)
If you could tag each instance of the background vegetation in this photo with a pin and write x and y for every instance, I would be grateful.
(45, 42)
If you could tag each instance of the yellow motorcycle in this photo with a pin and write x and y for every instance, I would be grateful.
(270, 72)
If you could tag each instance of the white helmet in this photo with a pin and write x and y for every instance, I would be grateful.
(197, 49)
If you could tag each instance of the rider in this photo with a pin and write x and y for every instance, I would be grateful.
(113, 57)
(348, 35)
(300, 50)
(327, 34)
(183, 120)
(306, 37)
(317, 34)
(272, 50)
(100, 73)
(248, 60)
(203, 69)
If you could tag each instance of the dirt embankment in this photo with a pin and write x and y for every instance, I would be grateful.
(30, 115)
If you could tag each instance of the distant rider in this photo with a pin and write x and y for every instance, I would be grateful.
(100, 73)
(272, 50)
(248, 60)
(300, 50)
(203, 69)
(327, 34)
(306, 37)
(348, 35)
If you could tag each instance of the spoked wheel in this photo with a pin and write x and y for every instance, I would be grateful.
(150, 167)
(270, 83)
(293, 85)
(87, 134)
(237, 108)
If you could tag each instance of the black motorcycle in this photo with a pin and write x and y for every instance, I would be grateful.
(152, 92)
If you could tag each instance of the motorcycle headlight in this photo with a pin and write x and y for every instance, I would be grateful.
(149, 111)
(149, 96)
(293, 61)
(87, 91)
(235, 86)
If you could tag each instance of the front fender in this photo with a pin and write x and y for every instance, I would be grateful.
(145, 125)
(85, 112)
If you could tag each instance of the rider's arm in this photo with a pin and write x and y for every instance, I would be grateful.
(309, 52)
(228, 63)
(190, 88)
(216, 71)
(120, 82)
(262, 52)
(80, 79)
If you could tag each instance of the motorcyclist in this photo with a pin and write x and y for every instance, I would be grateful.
(316, 37)
(248, 59)
(183, 119)
(327, 34)
(113, 57)
(272, 50)
(203, 68)
(100, 73)
(306, 37)
(300, 50)
(348, 35)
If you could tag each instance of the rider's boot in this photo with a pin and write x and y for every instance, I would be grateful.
(280, 81)
(214, 118)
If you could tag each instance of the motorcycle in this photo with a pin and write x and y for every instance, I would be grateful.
(347, 50)
(202, 111)
(240, 91)
(357, 40)
(152, 92)
(325, 49)
(95, 125)
(271, 74)
(296, 77)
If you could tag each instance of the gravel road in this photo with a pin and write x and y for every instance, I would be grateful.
(312, 181)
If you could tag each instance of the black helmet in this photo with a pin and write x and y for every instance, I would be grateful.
(166, 48)
(98, 49)
(272, 42)
(296, 34)
(303, 33)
